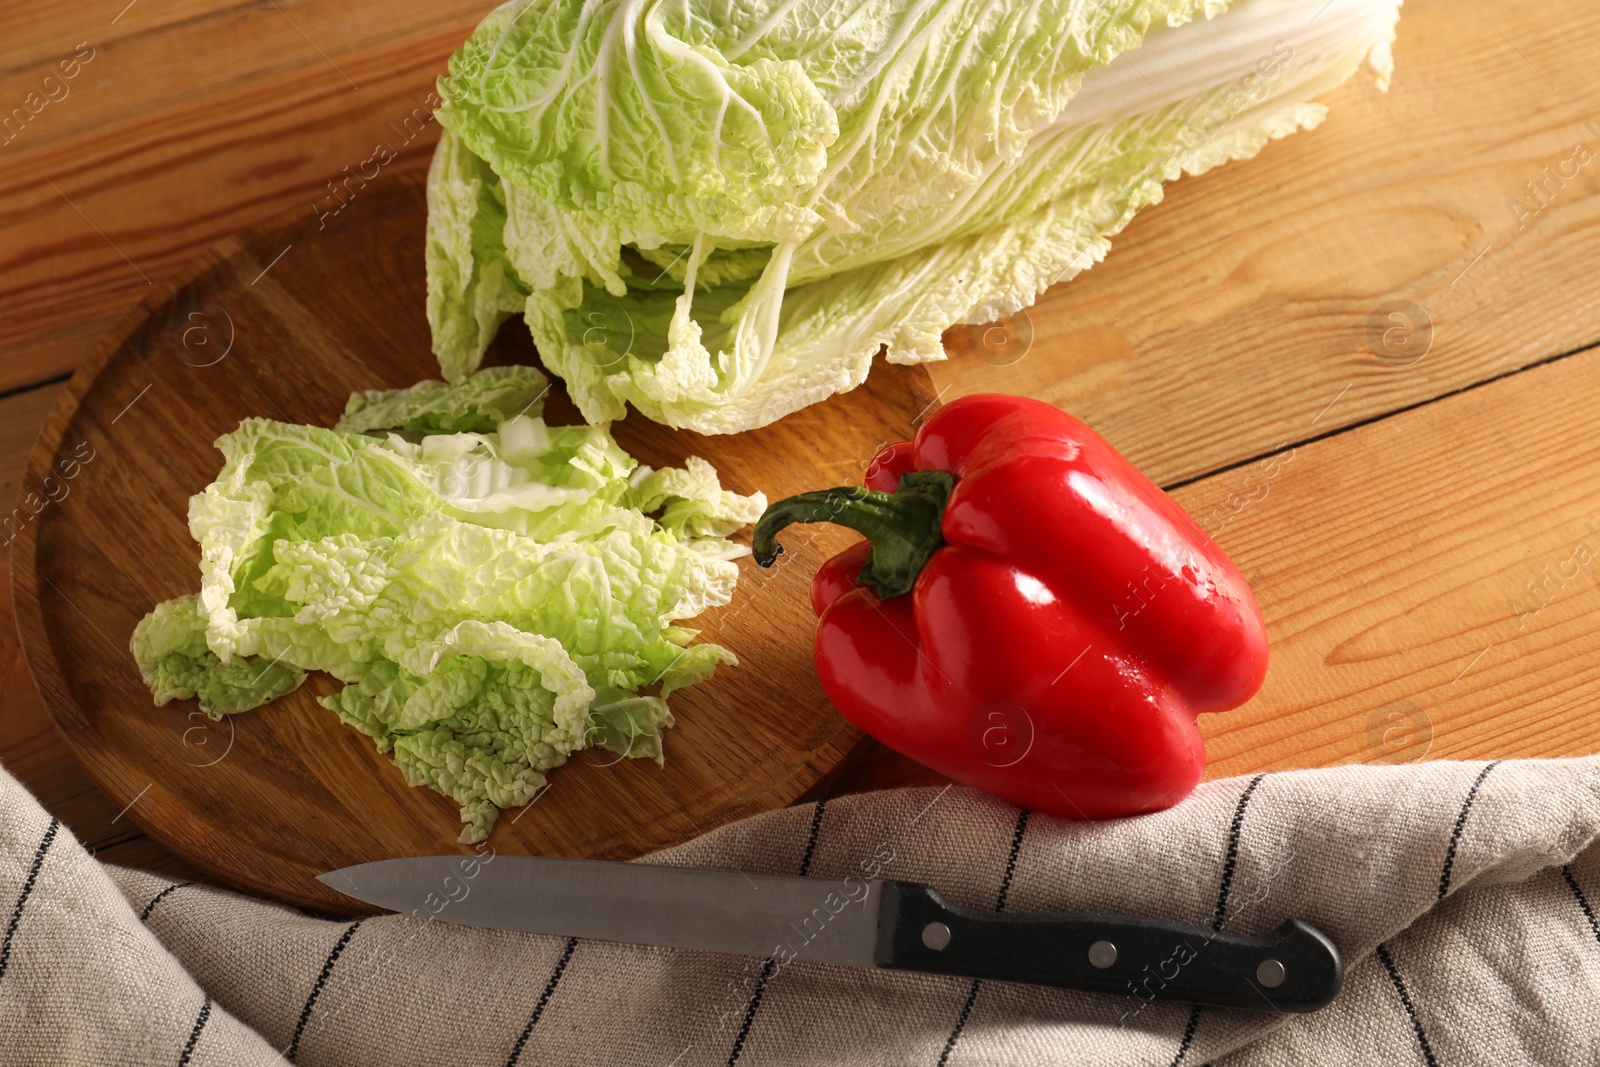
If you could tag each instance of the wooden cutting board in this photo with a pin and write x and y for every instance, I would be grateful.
(285, 322)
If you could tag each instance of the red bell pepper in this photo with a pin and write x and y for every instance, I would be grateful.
(1029, 614)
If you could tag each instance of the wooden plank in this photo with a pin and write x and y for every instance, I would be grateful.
(147, 159)
(1229, 317)
(21, 416)
(1429, 582)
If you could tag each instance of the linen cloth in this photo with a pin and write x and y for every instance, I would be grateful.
(1462, 895)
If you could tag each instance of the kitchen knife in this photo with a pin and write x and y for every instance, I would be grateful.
(858, 923)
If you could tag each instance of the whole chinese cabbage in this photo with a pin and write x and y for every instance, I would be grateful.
(721, 212)
(494, 591)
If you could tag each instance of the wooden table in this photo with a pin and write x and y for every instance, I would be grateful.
(1418, 509)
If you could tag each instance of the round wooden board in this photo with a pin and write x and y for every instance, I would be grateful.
(285, 322)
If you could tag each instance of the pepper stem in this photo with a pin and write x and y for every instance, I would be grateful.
(903, 526)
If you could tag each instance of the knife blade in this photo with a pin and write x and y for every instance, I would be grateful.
(858, 923)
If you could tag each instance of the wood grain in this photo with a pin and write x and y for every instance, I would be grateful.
(287, 322)
(1429, 582)
(191, 121)
(32, 748)
(1229, 318)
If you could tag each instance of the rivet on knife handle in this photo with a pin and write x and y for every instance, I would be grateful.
(1294, 969)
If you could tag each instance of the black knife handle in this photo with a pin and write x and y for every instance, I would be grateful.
(1296, 968)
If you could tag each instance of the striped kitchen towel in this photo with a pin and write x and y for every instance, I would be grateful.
(1463, 896)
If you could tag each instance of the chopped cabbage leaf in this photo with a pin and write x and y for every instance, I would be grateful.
(494, 592)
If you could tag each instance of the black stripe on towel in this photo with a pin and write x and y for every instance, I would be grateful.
(316, 989)
(1230, 860)
(544, 999)
(27, 891)
(1219, 914)
(1405, 1000)
(159, 897)
(961, 1023)
(999, 905)
(194, 1035)
(1461, 822)
(1188, 1035)
(1011, 861)
(1583, 901)
(769, 965)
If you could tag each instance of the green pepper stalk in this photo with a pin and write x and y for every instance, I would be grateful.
(903, 526)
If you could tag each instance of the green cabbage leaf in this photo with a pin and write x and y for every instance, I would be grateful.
(496, 593)
(721, 213)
